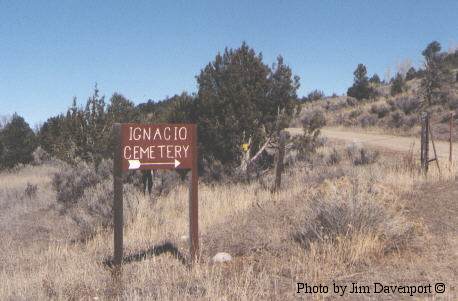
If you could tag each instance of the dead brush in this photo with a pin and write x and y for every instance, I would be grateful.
(360, 155)
(31, 190)
(71, 182)
(341, 216)
(409, 162)
(334, 157)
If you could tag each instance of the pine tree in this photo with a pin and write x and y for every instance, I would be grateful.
(360, 89)
(398, 85)
(17, 142)
(375, 79)
(239, 94)
(411, 73)
(431, 84)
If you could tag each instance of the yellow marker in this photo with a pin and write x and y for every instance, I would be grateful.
(245, 147)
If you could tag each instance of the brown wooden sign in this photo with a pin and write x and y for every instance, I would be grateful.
(154, 146)
(158, 146)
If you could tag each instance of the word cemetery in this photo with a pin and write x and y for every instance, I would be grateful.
(162, 146)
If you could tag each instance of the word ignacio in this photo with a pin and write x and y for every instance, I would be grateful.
(157, 135)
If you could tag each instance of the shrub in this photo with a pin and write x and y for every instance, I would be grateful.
(307, 143)
(315, 95)
(30, 190)
(334, 157)
(391, 104)
(380, 110)
(359, 155)
(410, 121)
(355, 113)
(40, 156)
(94, 209)
(396, 119)
(453, 103)
(335, 105)
(85, 194)
(407, 105)
(167, 180)
(70, 183)
(366, 157)
(367, 120)
(348, 216)
(351, 101)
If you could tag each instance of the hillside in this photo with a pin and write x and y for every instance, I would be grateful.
(394, 113)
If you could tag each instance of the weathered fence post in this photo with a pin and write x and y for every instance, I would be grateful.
(279, 164)
(450, 158)
(436, 158)
(424, 155)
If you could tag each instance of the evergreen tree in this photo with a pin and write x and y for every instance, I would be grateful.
(315, 95)
(360, 89)
(17, 142)
(397, 85)
(431, 84)
(375, 79)
(121, 110)
(181, 109)
(411, 73)
(239, 95)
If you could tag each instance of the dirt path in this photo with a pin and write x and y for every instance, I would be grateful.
(390, 142)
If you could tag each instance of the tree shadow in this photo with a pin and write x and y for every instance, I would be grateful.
(157, 250)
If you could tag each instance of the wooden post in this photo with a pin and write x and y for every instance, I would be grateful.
(435, 153)
(280, 157)
(424, 142)
(450, 158)
(193, 200)
(118, 203)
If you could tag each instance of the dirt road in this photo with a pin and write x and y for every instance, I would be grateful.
(390, 142)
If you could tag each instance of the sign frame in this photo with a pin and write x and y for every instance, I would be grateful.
(120, 165)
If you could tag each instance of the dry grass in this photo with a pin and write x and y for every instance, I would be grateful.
(258, 228)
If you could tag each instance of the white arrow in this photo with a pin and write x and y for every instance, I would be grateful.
(135, 164)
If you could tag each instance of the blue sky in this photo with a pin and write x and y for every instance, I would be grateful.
(51, 51)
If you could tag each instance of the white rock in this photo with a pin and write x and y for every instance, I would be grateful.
(222, 257)
(184, 237)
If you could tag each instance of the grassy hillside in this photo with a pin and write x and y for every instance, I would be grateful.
(397, 114)
(338, 218)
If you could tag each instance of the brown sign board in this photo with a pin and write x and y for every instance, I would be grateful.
(157, 146)
(154, 146)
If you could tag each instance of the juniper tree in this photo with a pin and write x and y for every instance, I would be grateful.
(398, 85)
(240, 94)
(17, 142)
(411, 73)
(360, 88)
(431, 84)
(375, 79)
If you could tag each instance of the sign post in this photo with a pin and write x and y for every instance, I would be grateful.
(193, 200)
(118, 202)
(155, 146)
